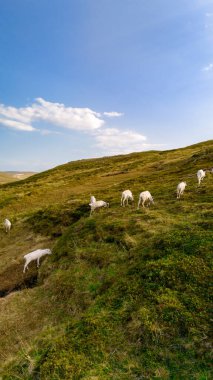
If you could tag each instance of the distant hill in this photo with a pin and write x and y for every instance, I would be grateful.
(11, 176)
(126, 293)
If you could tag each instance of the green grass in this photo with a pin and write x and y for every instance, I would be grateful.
(126, 293)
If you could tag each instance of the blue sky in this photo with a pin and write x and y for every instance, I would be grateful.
(88, 78)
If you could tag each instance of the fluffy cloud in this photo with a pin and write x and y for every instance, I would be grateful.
(107, 140)
(114, 141)
(81, 119)
(16, 125)
(113, 114)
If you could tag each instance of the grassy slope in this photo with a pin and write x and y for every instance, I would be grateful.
(125, 294)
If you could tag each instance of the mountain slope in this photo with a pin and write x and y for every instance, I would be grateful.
(125, 294)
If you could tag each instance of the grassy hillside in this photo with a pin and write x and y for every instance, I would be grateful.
(6, 177)
(125, 294)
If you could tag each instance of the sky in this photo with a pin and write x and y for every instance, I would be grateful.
(92, 78)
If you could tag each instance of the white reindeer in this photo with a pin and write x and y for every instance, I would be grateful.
(200, 175)
(125, 196)
(97, 204)
(35, 255)
(7, 225)
(180, 189)
(145, 197)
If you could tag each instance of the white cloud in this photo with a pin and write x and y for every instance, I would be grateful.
(108, 140)
(113, 114)
(113, 137)
(16, 125)
(57, 114)
(208, 67)
(115, 141)
(82, 119)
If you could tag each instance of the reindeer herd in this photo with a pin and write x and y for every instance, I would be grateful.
(145, 198)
